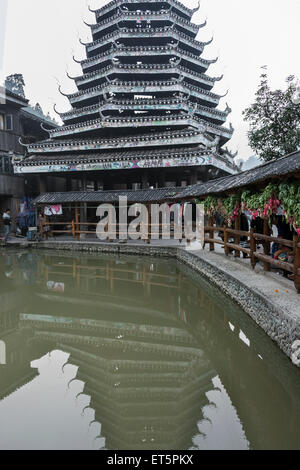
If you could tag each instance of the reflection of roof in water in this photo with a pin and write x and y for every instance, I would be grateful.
(8, 386)
(146, 381)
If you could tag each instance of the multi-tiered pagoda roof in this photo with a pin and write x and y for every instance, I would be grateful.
(145, 91)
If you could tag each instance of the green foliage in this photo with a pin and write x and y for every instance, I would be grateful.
(230, 204)
(289, 195)
(263, 204)
(210, 204)
(258, 201)
(274, 121)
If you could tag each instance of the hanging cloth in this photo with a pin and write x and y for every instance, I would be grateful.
(53, 210)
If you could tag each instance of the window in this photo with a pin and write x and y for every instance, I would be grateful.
(9, 122)
(6, 122)
(6, 166)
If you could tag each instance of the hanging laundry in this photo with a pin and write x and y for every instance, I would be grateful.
(53, 210)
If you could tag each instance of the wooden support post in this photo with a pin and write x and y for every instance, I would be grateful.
(267, 245)
(211, 234)
(237, 238)
(149, 224)
(111, 224)
(74, 269)
(252, 248)
(46, 225)
(111, 281)
(73, 230)
(41, 229)
(226, 239)
(296, 263)
(77, 223)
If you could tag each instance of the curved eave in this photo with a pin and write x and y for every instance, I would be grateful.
(144, 105)
(71, 163)
(111, 123)
(137, 34)
(145, 87)
(186, 119)
(149, 51)
(168, 17)
(125, 160)
(153, 140)
(111, 6)
(149, 69)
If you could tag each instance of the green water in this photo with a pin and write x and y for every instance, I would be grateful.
(102, 352)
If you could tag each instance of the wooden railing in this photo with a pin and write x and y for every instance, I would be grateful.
(112, 275)
(76, 228)
(255, 239)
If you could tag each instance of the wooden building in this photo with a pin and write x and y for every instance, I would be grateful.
(19, 122)
(144, 114)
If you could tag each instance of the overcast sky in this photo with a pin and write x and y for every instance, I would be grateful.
(38, 39)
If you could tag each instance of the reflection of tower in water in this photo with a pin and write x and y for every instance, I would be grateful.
(144, 371)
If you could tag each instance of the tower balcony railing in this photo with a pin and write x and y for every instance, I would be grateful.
(126, 122)
(148, 69)
(139, 51)
(140, 87)
(143, 158)
(169, 138)
(187, 119)
(118, 3)
(146, 105)
(147, 16)
(142, 33)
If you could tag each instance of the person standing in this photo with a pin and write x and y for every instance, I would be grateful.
(7, 223)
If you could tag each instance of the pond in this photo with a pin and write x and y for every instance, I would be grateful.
(103, 352)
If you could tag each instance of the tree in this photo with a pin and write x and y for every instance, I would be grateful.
(274, 121)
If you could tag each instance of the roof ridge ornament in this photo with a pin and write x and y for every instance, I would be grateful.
(83, 43)
(184, 98)
(192, 113)
(209, 42)
(55, 110)
(77, 61)
(88, 24)
(44, 128)
(194, 10)
(214, 144)
(119, 27)
(63, 94)
(69, 76)
(175, 62)
(218, 79)
(106, 99)
(202, 25)
(90, 9)
(21, 143)
(180, 78)
(228, 110)
(223, 96)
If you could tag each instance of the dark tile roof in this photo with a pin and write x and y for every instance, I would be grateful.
(119, 154)
(148, 195)
(39, 116)
(282, 167)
